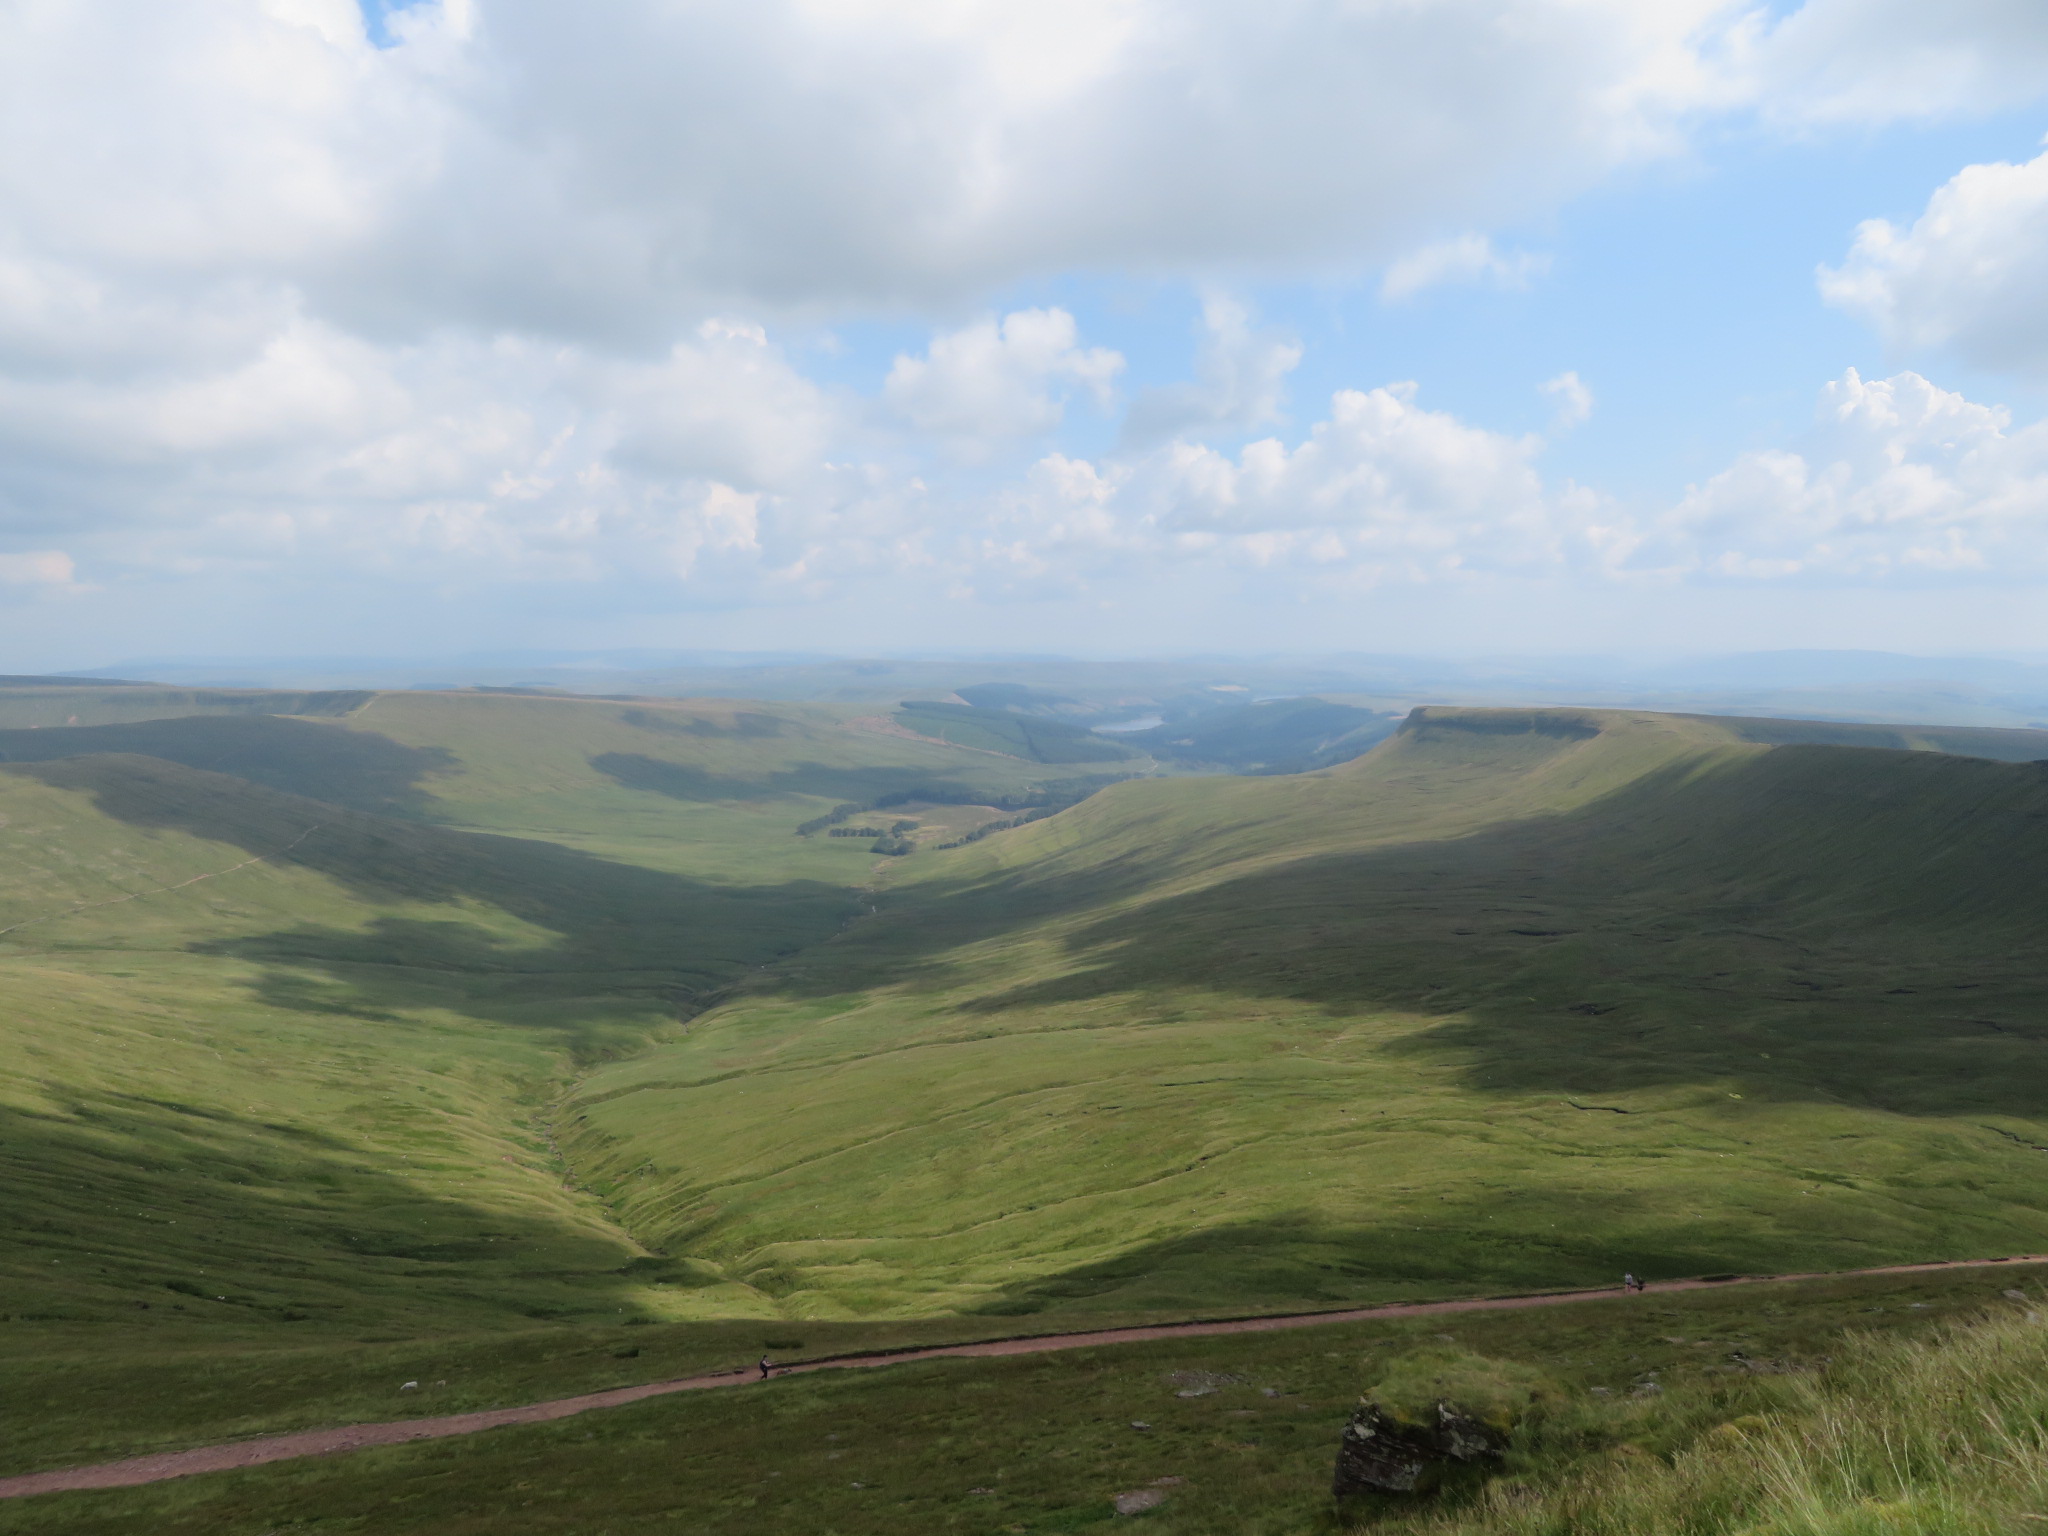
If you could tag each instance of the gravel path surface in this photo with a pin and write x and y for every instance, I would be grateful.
(329, 1442)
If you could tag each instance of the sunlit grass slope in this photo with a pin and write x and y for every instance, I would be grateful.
(276, 1068)
(1519, 999)
(713, 786)
(283, 1034)
(1932, 1411)
(284, 1031)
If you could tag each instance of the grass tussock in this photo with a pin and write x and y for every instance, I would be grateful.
(1946, 1436)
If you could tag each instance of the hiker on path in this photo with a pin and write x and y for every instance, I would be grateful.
(1630, 1284)
(765, 1367)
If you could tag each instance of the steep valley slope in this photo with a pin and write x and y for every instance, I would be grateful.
(412, 1016)
(284, 1029)
(1520, 999)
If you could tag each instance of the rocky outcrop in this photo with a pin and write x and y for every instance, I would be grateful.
(1381, 1453)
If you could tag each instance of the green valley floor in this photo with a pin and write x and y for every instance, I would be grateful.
(531, 1044)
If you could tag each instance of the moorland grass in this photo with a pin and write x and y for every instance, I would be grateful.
(1520, 999)
(1523, 999)
(714, 788)
(1938, 1436)
(1245, 1426)
(282, 1073)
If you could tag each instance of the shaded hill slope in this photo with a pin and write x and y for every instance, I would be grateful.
(709, 788)
(359, 769)
(279, 1068)
(1520, 998)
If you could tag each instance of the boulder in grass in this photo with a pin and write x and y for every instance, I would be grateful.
(1433, 1409)
(1384, 1453)
(1380, 1454)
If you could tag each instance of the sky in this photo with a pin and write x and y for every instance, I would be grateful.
(1087, 326)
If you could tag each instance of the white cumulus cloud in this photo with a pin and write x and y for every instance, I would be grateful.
(1900, 479)
(503, 301)
(1971, 272)
(1381, 489)
(999, 379)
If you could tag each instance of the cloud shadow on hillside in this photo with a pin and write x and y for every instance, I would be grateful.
(362, 770)
(1534, 1240)
(622, 933)
(686, 781)
(190, 1203)
(1865, 921)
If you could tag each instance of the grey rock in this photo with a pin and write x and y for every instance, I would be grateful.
(1138, 1500)
(1462, 1437)
(1381, 1454)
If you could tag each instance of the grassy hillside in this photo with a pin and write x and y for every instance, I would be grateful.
(279, 1069)
(714, 789)
(383, 1025)
(1240, 1433)
(285, 1035)
(1519, 999)
(175, 936)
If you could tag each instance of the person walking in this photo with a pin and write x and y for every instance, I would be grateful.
(1629, 1285)
(765, 1367)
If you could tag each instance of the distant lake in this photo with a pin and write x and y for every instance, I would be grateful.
(1142, 723)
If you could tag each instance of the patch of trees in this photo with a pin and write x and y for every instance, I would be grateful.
(831, 818)
(999, 826)
(1057, 796)
(1034, 803)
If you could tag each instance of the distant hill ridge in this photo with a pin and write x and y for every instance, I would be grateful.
(2001, 743)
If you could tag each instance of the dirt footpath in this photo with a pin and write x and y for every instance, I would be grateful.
(330, 1442)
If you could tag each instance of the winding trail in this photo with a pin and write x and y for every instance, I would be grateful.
(354, 1437)
(163, 890)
